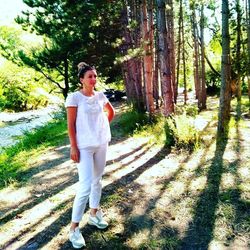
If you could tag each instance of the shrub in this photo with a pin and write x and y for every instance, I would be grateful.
(181, 132)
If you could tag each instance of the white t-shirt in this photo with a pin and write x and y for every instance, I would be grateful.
(92, 125)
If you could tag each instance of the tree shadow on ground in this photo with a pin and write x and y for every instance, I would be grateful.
(200, 231)
(12, 211)
(51, 231)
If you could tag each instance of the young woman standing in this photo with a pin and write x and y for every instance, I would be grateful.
(88, 114)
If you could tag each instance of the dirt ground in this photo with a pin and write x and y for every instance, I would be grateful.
(153, 197)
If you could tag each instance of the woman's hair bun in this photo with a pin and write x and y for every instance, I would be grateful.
(83, 68)
(81, 65)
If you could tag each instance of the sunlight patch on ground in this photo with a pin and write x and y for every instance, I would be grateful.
(198, 184)
(33, 218)
(216, 245)
(244, 172)
(124, 147)
(162, 170)
(200, 123)
(50, 176)
(11, 197)
(227, 181)
(139, 238)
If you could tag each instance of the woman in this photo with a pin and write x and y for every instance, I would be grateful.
(88, 113)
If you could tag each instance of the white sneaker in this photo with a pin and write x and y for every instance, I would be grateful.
(98, 220)
(76, 238)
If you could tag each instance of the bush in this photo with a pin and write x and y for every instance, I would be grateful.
(129, 122)
(181, 132)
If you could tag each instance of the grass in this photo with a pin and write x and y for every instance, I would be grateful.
(15, 160)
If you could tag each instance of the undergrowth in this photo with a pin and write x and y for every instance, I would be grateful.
(14, 159)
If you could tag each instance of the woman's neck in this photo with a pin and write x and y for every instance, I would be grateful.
(88, 92)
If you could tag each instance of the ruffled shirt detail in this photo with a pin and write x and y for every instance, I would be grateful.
(92, 125)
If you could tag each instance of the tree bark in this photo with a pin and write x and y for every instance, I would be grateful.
(147, 58)
(248, 47)
(183, 53)
(225, 95)
(196, 51)
(164, 57)
(238, 51)
(203, 93)
(171, 44)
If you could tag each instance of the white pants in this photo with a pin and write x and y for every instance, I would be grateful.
(90, 171)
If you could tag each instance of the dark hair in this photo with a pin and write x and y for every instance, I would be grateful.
(83, 68)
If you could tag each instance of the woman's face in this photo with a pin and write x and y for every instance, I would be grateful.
(89, 79)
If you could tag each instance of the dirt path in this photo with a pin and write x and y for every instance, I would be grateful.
(154, 198)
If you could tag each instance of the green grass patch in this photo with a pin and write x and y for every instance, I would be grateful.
(181, 132)
(129, 122)
(170, 243)
(14, 160)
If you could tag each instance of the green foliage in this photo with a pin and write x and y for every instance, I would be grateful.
(14, 160)
(22, 88)
(181, 132)
(74, 31)
(10, 42)
(129, 122)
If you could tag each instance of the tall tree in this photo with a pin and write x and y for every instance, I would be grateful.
(147, 58)
(171, 44)
(195, 49)
(183, 52)
(203, 95)
(248, 46)
(225, 92)
(165, 59)
(238, 49)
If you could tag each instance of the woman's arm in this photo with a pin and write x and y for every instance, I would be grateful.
(71, 120)
(110, 111)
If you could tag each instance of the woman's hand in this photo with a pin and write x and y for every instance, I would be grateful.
(74, 154)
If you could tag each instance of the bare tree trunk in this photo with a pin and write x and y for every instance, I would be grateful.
(248, 47)
(178, 52)
(196, 51)
(183, 53)
(147, 58)
(164, 57)
(225, 95)
(171, 43)
(203, 72)
(66, 78)
(238, 51)
(156, 80)
(153, 45)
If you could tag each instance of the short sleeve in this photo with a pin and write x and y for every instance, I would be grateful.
(71, 100)
(104, 98)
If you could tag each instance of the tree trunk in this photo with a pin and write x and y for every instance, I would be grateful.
(248, 49)
(196, 51)
(153, 50)
(147, 58)
(171, 44)
(225, 95)
(178, 53)
(238, 51)
(66, 78)
(203, 72)
(183, 53)
(164, 57)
